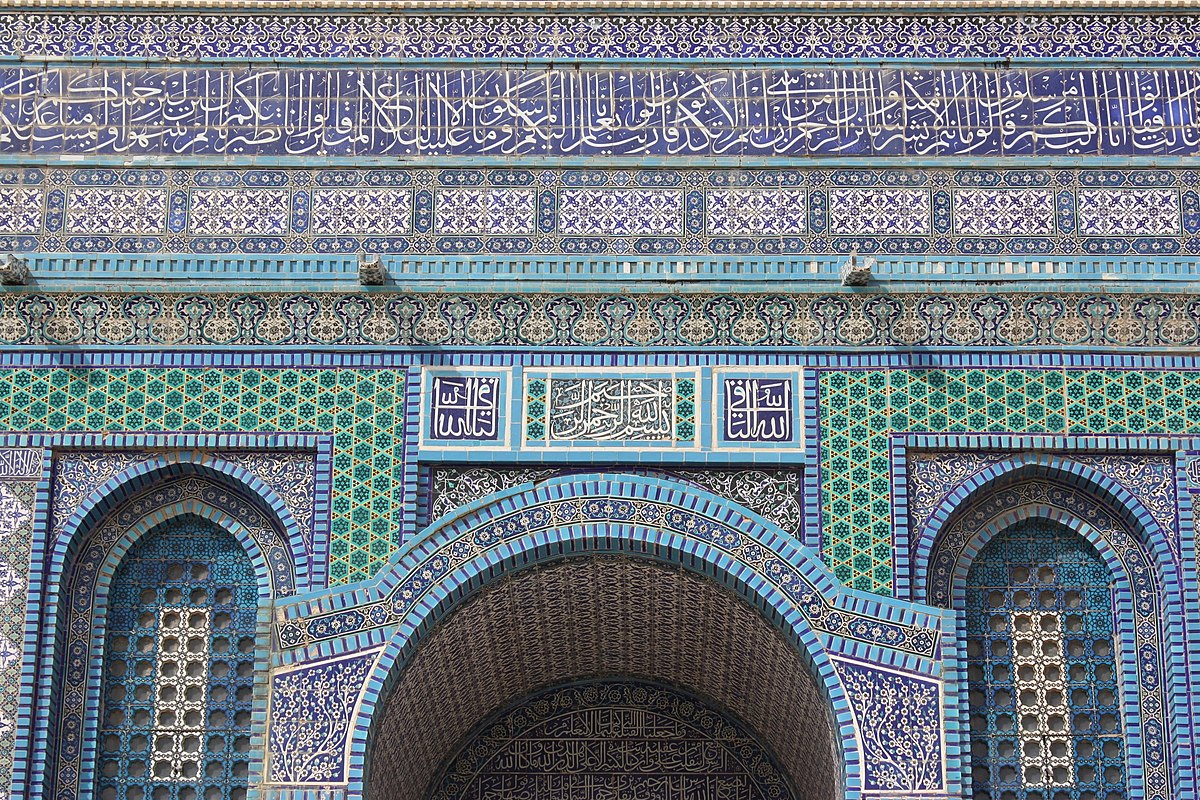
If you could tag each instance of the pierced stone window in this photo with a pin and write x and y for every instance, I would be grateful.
(178, 678)
(1044, 704)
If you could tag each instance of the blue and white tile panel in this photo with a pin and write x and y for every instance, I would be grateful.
(610, 414)
(467, 408)
(758, 409)
(567, 37)
(557, 212)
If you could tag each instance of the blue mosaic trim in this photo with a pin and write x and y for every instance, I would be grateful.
(1125, 469)
(1190, 588)
(813, 361)
(567, 414)
(697, 322)
(289, 554)
(655, 213)
(556, 112)
(20, 471)
(72, 693)
(24, 747)
(575, 507)
(227, 38)
(1179, 592)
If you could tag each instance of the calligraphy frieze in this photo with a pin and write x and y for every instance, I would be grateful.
(597, 112)
(464, 408)
(618, 410)
(598, 409)
(232, 37)
(1021, 212)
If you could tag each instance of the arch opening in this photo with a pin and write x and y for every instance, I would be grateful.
(604, 621)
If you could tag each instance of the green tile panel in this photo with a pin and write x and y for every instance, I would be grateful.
(363, 409)
(859, 409)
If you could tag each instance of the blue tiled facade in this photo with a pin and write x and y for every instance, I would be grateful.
(400, 402)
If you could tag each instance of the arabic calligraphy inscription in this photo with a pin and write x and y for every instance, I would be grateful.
(758, 410)
(465, 408)
(612, 409)
(247, 111)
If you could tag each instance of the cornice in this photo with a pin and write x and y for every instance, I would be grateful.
(556, 6)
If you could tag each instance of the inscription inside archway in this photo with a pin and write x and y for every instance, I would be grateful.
(616, 740)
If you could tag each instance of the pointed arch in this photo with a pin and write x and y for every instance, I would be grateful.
(291, 566)
(89, 549)
(1135, 549)
(496, 538)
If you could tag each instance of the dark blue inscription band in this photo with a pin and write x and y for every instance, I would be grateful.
(560, 112)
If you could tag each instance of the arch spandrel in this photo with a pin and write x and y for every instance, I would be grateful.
(584, 517)
(942, 528)
(288, 554)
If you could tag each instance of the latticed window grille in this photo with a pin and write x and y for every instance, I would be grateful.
(179, 668)
(1044, 704)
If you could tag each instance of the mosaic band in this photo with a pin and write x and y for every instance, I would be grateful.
(486, 35)
(1024, 213)
(1167, 322)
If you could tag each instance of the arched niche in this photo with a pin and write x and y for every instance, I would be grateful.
(88, 557)
(1053, 490)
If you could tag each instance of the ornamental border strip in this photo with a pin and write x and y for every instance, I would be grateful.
(479, 320)
(811, 362)
(589, 5)
(491, 527)
(487, 35)
(527, 213)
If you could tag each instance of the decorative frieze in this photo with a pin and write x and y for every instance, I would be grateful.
(654, 212)
(632, 320)
(598, 111)
(224, 37)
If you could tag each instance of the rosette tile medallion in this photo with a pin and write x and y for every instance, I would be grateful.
(607, 401)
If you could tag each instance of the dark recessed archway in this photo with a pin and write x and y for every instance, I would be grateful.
(601, 618)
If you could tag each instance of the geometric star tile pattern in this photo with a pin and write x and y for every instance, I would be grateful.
(861, 408)
(363, 409)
